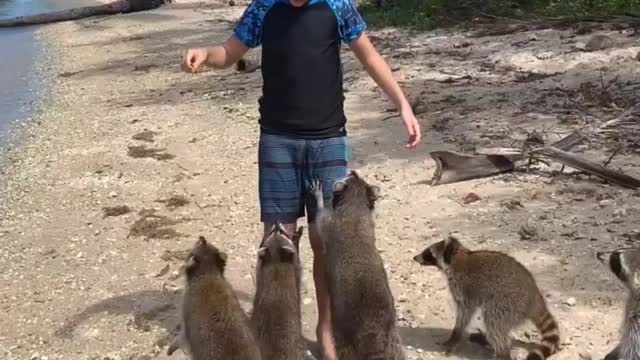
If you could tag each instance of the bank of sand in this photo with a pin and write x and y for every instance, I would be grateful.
(78, 285)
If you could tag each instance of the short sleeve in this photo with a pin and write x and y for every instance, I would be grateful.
(249, 28)
(350, 22)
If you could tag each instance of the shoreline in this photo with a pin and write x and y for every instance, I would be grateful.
(126, 127)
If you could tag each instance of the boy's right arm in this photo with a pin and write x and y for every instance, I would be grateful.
(217, 57)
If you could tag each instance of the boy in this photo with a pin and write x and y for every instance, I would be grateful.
(302, 121)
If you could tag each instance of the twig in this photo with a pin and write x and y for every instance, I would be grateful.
(389, 117)
(615, 152)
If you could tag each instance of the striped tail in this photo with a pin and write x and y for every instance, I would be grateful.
(550, 333)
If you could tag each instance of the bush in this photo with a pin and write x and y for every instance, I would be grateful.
(427, 14)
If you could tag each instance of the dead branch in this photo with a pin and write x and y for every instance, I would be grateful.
(453, 167)
(590, 167)
(116, 7)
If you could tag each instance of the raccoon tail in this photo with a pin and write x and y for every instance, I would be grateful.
(550, 333)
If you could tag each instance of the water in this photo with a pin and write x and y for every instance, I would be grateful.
(20, 84)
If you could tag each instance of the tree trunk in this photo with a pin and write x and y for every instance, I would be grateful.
(116, 7)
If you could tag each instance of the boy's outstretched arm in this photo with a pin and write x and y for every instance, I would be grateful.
(379, 70)
(217, 57)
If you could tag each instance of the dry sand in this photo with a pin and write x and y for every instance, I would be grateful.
(77, 284)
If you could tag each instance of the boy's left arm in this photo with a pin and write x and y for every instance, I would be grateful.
(379, 70)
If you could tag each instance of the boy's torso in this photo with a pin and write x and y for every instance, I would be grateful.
(301, 67)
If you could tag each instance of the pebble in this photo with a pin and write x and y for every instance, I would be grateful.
(570, 302)
(113, 194)
(621, 212)
(605, 203)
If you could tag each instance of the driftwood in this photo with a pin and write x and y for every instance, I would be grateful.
(453, 167)
(116, 7)
(580, 163)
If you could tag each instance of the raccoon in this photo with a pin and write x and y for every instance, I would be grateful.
(276, 315)
(624, 263)
(362, 306)
(214, 326)
(501, 287)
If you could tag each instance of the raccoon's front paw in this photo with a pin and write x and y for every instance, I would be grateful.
(315, 193)
(315, 187)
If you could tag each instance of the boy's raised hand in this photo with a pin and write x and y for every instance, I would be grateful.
(194, 59)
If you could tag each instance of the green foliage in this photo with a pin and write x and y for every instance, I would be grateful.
(586, 7)
(427, 14)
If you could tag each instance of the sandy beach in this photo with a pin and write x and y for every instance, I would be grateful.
(132, 159)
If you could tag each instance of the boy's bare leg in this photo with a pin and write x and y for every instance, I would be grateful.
(324, 330)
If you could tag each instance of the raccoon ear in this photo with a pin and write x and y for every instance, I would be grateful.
(190, 262)
(450, 246)
(223, 257)
(373, 193)
(339, 186)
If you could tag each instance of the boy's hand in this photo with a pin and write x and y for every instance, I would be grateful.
(194, 59)
(413, 128)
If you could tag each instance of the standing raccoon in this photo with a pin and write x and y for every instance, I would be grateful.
(362, 306)
(624, 263)
(501, 287)
(214, 326)
(276, 306)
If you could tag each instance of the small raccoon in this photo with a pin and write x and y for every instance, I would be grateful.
(624, 263)
(214, 326)
(362, 306)
(501, 287)
(276, 315)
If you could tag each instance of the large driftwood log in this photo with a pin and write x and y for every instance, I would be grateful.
(116, 7)
(453, 167)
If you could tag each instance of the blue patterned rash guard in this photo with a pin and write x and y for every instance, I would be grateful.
(302, 92)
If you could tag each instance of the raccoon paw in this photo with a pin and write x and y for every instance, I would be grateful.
(315, 187)
(316, 193)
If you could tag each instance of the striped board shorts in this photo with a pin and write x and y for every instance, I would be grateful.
(287, 165)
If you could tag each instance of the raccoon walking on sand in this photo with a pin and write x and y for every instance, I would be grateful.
(276, 315)
(214, 326)
(501, 287)
(362, 306)
(624, 263)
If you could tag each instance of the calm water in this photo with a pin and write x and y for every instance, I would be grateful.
(20, 84)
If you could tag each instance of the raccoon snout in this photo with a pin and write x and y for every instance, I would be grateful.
(418, 259)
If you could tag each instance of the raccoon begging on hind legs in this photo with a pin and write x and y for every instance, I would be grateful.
(624, 263)
(276, 315)
(502, 288)
(362, 306)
